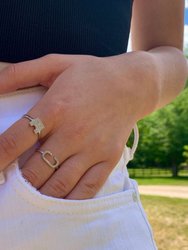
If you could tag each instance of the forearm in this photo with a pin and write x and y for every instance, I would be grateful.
(158, 75)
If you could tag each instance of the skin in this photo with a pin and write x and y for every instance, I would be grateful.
(118, 92)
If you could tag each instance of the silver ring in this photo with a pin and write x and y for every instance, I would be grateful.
(54, 164)
(36, 123)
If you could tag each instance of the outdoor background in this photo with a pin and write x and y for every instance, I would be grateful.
(160, 166)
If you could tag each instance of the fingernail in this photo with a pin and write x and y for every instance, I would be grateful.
(2, 178)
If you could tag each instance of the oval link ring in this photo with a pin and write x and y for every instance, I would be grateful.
(55, 164)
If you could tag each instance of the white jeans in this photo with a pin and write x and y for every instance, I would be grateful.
(113, 220)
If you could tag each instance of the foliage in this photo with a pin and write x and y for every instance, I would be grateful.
(185, 155)
(163, 135)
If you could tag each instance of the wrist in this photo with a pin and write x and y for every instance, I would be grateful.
(139, 80)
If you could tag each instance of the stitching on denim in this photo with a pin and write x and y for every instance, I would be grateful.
(91, 210)
(147, 223)
(95, 207)
(148, 226)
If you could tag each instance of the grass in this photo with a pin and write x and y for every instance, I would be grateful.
(179, 181)
(169, 220)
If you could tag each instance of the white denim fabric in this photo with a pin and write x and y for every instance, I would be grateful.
(113, 220)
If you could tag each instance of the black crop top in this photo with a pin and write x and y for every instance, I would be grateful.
(32, 28)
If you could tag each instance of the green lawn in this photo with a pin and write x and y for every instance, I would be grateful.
(169, 220)
(183, 181)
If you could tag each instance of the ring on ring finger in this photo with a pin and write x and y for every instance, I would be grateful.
(55, 164)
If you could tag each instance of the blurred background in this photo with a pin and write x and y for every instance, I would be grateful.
(160, 167)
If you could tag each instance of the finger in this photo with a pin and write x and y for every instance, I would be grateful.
(36, 170)
(3, 65)
(91, 182)
(66, 177)
(32, 72)
(20, 137)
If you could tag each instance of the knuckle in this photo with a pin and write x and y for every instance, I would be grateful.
(8, 144)
(57, 107)
(89, 188)
(101, 142)
(31, 176)
(79, 131)
(58, 187)
(12, 69)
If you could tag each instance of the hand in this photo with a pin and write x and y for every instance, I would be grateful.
(88, 113)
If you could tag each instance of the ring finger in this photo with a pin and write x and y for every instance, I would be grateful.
(36, 170)
(72, 167)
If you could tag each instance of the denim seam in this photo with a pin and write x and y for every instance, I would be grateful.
(95, 207)
(149, 229)
(67, 212)
(147, 224)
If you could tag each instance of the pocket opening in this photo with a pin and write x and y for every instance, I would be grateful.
(27, 192)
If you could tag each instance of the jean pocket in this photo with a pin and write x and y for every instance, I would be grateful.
(110, 222)
(26, 191)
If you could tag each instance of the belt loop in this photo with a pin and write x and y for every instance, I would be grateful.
(129, 152)
(135, 143)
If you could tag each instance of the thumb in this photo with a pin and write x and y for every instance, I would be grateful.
(30, 73)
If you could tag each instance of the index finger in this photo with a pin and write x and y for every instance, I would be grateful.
(32, 72)
(18, 138)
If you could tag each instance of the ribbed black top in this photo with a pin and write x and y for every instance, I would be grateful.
(33, 28)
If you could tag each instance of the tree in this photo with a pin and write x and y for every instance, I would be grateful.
(185, 155)
(163, 135)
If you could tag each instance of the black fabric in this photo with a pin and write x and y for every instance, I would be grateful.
(33, 28)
